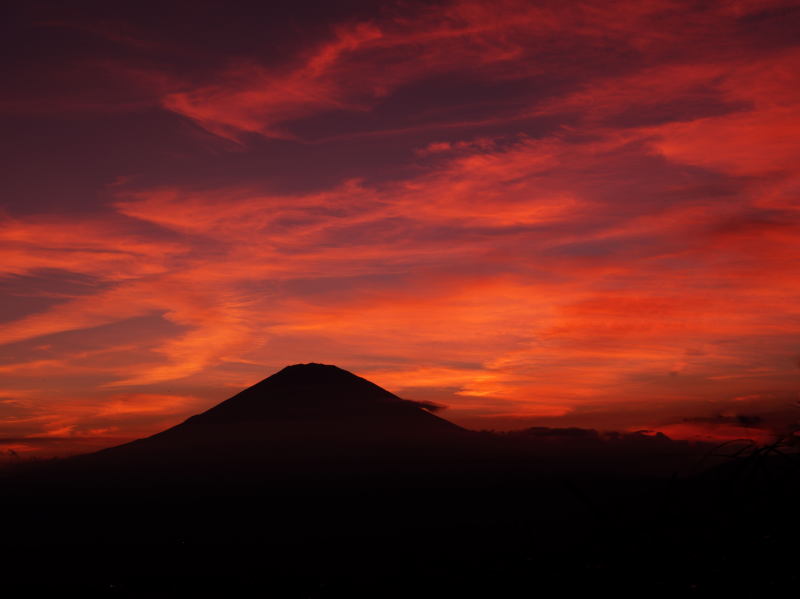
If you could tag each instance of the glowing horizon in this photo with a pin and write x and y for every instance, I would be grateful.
(580, 214)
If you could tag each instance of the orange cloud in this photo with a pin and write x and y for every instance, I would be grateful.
(560, 232)
(349, 72)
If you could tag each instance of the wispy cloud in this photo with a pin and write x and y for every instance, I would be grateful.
(633, 243)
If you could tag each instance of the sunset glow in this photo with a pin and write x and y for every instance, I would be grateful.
(534, 213)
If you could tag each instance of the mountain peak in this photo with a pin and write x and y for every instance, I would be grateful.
(322, 393)
(303, 409)
(314, 383)
(312, 366)
(311, 373)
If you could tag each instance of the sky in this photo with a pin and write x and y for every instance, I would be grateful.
(535, 213)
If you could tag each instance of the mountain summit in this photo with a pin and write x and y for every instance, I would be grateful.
(321, 395)
(311, 392)
(304, 409)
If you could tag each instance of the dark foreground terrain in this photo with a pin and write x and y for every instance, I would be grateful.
(317, 483)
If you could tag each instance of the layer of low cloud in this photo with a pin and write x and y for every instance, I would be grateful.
(624, 243)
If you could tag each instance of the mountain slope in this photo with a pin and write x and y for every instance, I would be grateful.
(305, 410)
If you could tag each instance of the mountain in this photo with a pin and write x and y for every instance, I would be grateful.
(319, 396)
(310, 411)
(314, 480)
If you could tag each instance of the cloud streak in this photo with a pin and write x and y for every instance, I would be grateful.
(614, 247)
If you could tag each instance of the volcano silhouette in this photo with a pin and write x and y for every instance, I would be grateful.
(311, 410)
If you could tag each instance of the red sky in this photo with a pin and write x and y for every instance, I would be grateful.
(553, 213)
